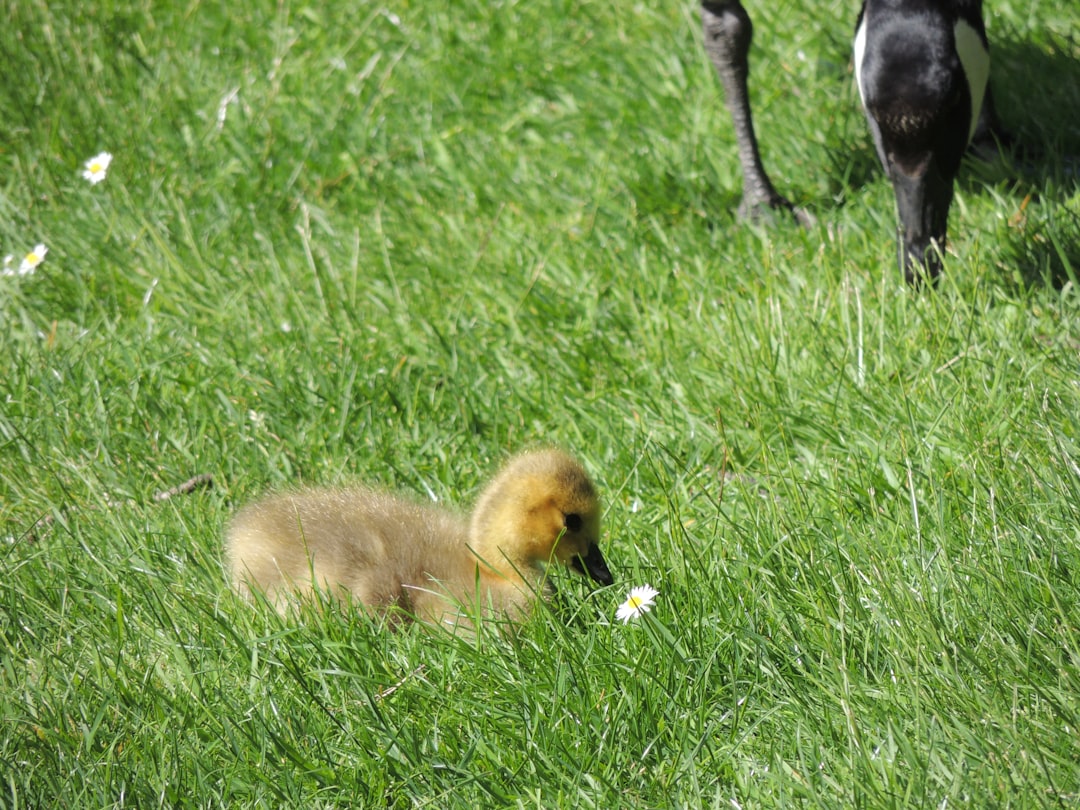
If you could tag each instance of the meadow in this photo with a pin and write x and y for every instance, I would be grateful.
(398, 242)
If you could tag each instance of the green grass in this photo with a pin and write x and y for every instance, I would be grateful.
(345, 241)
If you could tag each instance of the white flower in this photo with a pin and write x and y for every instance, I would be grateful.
(639, 601)
(8, 269)
(32, 259)
(96, 168)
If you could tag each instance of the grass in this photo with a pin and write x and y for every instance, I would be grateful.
(346, 241)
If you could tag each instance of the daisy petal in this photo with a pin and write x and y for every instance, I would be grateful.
(32, 259)
(97, 167)
(640, 600)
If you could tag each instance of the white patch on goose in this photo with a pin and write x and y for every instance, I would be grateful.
(975, 59)
(860, 54)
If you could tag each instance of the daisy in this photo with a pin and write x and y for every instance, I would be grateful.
(638, 602)
(32, 259)
(96, 167)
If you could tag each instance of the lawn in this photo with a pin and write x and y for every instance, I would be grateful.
(348, 241)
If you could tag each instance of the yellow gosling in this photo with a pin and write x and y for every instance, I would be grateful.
(386, 551)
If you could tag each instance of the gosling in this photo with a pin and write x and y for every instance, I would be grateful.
(408, 560)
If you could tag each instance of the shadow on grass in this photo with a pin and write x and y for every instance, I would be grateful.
(1043, 248)
(1037, 92)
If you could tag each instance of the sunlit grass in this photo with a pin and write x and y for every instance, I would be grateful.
(349, 241)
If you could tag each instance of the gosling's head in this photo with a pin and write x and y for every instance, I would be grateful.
(539, 508)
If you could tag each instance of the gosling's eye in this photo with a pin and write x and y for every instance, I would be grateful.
(573, 522)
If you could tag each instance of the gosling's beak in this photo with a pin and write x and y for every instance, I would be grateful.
(593, 564)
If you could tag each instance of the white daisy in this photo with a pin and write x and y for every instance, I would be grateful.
(32, 259)
(96, 168)
(639, 601)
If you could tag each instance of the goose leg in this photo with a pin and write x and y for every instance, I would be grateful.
(727, 32)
